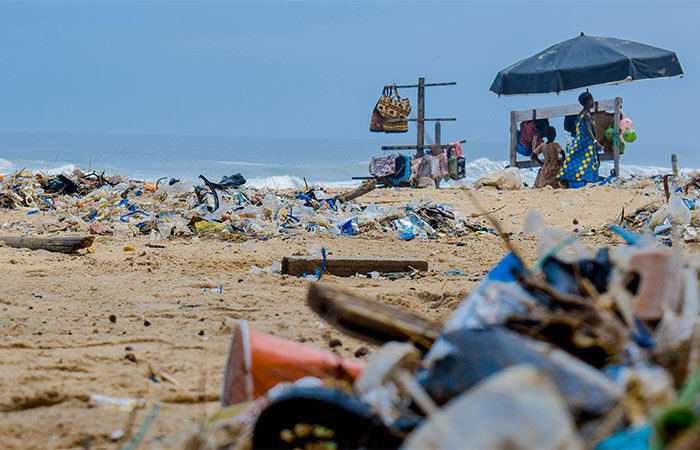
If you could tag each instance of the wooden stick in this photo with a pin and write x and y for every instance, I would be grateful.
(364, 188)
(349, 266)
(368, 319)
(67, 244)
(497, 226)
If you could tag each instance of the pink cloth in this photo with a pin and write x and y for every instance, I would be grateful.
(382, 166)
(443, 168)
(457, 146)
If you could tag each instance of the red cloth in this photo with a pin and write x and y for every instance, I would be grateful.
(528, 131)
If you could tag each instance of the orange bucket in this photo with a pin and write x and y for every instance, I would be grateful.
(257, 362)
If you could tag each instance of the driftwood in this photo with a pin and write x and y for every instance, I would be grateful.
(67, 244)
(362, 189)
(369, 320)
(349, 266)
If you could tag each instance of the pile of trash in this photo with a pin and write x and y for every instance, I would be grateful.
(580, 349)
(679, 210)
(116, 205)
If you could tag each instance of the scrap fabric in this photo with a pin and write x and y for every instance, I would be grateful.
(581, 163)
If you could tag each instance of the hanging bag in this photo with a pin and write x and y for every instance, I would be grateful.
(392, 107)
(376, 123)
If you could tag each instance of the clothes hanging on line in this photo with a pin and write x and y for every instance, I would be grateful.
(456, 148)
(382, 166)
(405, 174)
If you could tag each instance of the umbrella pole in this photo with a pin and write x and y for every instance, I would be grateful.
(513, 139)
(616, 143)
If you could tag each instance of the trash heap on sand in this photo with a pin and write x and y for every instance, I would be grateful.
(581, 349)
(91, 202)
(681, 209)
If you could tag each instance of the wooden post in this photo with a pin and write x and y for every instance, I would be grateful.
(616, 143)
(437, 133)
(421, 116)
(513, 139)
(674, 165)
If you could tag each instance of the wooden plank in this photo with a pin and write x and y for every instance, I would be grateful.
(420, 130)
(403, 86)
(399, 147)
(616, 143)
(361, 190)
(427, 119)
(605, 156)
(368, 319)
(513, 138)
(347, 266)
(66, 244)
(411, 147)
(557, 111)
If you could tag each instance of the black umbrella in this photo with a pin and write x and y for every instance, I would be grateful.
(586, 61)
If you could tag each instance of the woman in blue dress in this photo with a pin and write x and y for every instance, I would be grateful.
(581, 163)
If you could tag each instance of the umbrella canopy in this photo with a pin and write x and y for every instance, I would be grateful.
(586, 61)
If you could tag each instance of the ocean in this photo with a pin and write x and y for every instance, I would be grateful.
(272, 162)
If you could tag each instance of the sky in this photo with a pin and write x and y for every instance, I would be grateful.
(315, 69)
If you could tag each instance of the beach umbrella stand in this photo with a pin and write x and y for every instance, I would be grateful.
(516, 117)
(580, 63)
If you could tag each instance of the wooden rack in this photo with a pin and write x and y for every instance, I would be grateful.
(421, 119)
(558, 111)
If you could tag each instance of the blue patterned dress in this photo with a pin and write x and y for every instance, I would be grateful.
(581, 162)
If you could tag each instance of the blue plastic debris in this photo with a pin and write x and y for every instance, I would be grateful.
(346, 229)
(643, 336)
(628, 236)
(456, 272)
(124, 217)
(323, 264)
(634, 438)
(221, 289)
(47, 202)
(462, 358)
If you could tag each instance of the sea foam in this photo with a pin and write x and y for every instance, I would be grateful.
(473, 171)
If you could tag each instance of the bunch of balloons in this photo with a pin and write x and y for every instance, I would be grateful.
(626, 133)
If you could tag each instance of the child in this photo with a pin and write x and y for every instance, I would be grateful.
(552, 164)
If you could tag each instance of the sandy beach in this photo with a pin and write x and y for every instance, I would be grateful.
(68, 322)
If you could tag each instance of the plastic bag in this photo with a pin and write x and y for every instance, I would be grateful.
(506, 179)
(675, 210)
(553, 241)
(537, 416)
(412, 224)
